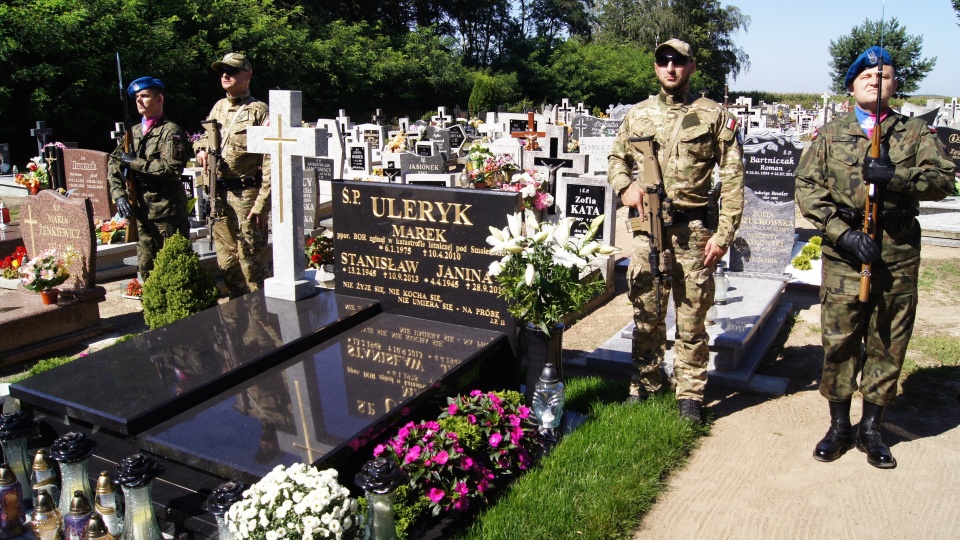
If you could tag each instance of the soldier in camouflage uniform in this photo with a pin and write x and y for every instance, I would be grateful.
(157, 159)
(243, 181)
(832, 182)
(691, 139)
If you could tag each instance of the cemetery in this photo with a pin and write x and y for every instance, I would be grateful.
(386, 305)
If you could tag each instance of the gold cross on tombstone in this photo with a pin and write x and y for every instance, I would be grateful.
(280, 140)
(530, 134)
(33, 235)
(303, 426)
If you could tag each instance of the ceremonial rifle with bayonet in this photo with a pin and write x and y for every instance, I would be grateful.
(212, 208)
(656, 213)
(131, 234)
(872, 199)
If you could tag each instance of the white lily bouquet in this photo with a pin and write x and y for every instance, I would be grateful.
(296, 502)
(541, 272)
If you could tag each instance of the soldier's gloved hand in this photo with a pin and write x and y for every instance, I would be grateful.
(878, 170)
(860, 244)
(124, 208)
(126, 158)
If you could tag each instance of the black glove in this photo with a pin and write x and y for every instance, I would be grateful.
(124, 208)
(878, 170)
(860, 244)
(126, 158)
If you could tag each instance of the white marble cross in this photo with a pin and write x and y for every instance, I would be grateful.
(287, 143)
(442, 119)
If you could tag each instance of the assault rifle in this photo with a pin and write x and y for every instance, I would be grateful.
(657, 213)
(212, 209)
(131, 234)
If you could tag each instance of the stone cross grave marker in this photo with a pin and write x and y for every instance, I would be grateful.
(553, 161)
(86, 172)
(442, 119)
(287, 143)
(530, 135)
(564, 110)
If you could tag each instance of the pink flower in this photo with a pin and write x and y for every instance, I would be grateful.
(467, 462)
(435, 495)
(461, 488)
(475, 393)
(524, 411)
(515, 435)
(412, 454)
(495, 439)
(452, 408)
(442, 457)
(514, 420)
(472, 418)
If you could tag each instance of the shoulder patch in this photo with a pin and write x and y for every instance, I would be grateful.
(729, 130)
(176, 136)
(932, 129)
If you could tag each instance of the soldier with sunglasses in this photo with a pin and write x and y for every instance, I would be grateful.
(243, 180)
(691, 138)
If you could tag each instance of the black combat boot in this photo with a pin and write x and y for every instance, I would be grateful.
(868, 437)
(689, 410)
(839, 437)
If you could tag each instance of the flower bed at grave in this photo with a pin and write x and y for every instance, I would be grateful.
(111, 231)
(477, 445)
(10, 265)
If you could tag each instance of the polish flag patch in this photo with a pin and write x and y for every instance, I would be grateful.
(731, 123)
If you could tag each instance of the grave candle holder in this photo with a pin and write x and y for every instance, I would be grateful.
(108, 506)
(549, 397)
(11, 505)
(220, 501)
(44, 478)
(76, 521)
(136, 474)
(14, 429)
(723, 284)
(47, 522)
(96, 529)
(72, 452)
(380, 479)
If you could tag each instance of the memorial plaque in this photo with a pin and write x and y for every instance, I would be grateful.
(457, 136)
(769, 163)
(51, 221)
(327, 405)
(422, 251)
(414, 163)
(518, 126)
(951, 143)
(159, 374)
(765, 238)
(358, 158)
(424, 148)
(589, 126)
(87, 173)
(440, 138)
(584, 203)
(597, 150)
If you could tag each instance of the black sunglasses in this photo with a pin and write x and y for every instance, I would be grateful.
(677, 59)
(229, 70)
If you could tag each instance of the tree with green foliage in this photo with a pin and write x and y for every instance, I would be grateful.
(492, 90)
(178, 287)
(600, 74)
(705, 24)
(904, 49)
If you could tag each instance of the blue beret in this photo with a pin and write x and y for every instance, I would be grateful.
(868, 58)
(143, 83)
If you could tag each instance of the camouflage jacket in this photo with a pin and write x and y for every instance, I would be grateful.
(235, 161)
(161, 157)
(707, 139)
(830, 178)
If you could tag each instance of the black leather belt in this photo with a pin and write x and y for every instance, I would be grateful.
(242, 182)
(899, 219)
(690, 214)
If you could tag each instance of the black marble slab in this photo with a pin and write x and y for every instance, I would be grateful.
(141, 382)
(330, 404)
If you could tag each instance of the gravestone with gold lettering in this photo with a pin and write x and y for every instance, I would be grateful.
(764, 241)
(86, 174)
(30, 328)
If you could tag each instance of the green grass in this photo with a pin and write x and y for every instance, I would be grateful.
(931, 382)
(939, 273)
(599, 481)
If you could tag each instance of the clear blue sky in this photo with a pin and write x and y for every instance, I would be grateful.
(787, 40)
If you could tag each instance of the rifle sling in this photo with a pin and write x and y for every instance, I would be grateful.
(672, 145)
(225, 134)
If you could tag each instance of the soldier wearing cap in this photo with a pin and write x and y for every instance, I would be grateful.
(157, 159)
(243, 180)
(691, 138)
(832, 182)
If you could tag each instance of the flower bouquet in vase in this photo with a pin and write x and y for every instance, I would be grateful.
(46, 271)
(533, 188)
(486, 170)
(545, 275)
(36, 176)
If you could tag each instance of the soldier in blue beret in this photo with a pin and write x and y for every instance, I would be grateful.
(156, 159)
(864, 343)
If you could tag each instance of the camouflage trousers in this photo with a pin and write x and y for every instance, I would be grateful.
(884, 323)
(693, 288)
(153, 233)
(242, 253)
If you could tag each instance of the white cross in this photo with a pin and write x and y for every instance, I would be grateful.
(344, 121)
(442, 119)
(287, 143)
(564, 110)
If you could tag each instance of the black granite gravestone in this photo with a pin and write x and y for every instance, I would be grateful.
(951, 143)
(358, 159)
(422, 251)
(139, 383)
(584, 203)
(769, 161)
(413, 163)
(765, 238)
(329, 403)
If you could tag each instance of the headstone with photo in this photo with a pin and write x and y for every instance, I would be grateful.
(86, 172)
(287, 143)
